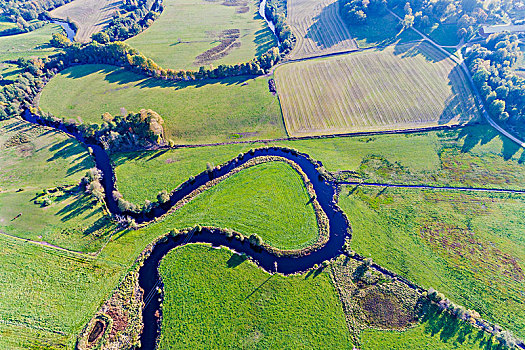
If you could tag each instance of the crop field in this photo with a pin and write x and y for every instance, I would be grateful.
(220, 110)
(232, 32)
(406, 86)
(468, 246)
(35, 43)
(91, 16)
(318, 28)
(236, 304)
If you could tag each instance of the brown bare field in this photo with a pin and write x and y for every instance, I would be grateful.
(406, 86)
(318, 28)
(91, 16)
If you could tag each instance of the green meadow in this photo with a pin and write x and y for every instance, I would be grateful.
(193, 112)
(181, 39)
(35, 43)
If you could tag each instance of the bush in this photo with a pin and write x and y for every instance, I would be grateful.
(163, 197)
(255, 240)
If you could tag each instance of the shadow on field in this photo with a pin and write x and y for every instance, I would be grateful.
(322, 24)
(121, 76)
(263, 41)
(481, 136)
(81, 204)
(452, 330)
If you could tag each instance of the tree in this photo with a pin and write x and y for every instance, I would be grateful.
(408, 21)
(101, 37)
(59, 40)
(497, 107)
(163, 197)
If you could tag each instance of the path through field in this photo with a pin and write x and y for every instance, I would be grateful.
(318, 28)
(406, 86)
(91, 16)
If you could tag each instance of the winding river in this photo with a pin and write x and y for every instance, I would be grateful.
(149, 274)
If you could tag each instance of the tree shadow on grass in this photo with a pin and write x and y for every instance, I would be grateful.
(264, 41)
(235, 260)
(80, 205)
(452, 330)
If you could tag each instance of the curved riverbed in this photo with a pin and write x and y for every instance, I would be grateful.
(148, 273)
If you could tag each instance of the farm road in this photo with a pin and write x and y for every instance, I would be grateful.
(461, 62)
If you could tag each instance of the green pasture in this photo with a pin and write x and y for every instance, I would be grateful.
(33, 159)
(237, 305)
(35, 43)
(469, 246)
(187, 29)
(193, 112)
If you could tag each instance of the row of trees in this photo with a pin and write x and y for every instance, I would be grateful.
(506, 338)
(357, 11)
(491, 67)
(121, 54)
(276, 11)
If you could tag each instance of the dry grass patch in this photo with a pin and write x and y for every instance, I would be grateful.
(318, 28)
(404, 86)
(91, 16)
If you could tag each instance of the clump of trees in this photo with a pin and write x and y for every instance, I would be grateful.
(357, 11)
(25, 13)
(491, 67)
(92, 185)
(133, 17)
(275, 11)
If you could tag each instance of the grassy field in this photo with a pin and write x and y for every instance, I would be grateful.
(468, 246)
(232, 32)
(45, 291)
(35, 43)
(380, 31)
(318, 28)
(406, 86)
(269, 199)
(90, 16)
(141, 175)
(443, 33)
(33, 159)
(193, 112)
(238, 305)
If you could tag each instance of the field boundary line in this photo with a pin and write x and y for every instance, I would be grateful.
(430, 187)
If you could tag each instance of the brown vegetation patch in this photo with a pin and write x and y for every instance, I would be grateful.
(17, 139)
(234, 3)
(386, 310)
(228, 41)
(467, 250)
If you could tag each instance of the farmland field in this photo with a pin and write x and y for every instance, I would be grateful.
(91, 16)
(220, 110)
(406, 86)
(468, 246)
(318, 28)
(232, 32)
(35, 43)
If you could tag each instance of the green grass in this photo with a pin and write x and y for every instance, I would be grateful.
(33, 159)
(180, 34)
(43, 288)
(235, 304)
(21, 337)
(434, 332)
(6, 23)
(380, 31)
(9, 71)
(193, 112)
(443, 33)
(269, 199)
(142, 175)
(35, 43)
(468, 246)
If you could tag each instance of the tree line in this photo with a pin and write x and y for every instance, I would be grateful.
(276, 11)
(491, 67)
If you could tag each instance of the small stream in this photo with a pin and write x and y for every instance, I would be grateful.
(70, 32)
